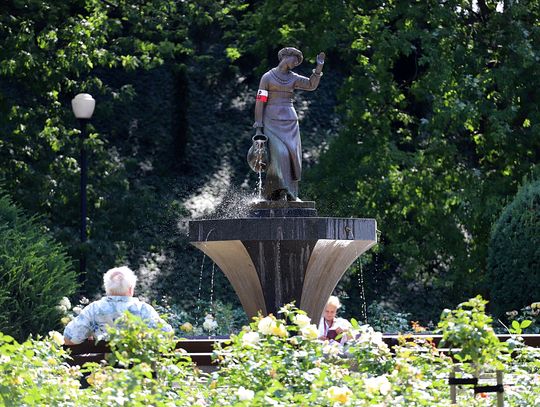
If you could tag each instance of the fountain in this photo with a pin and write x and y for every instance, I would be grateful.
(283, 251)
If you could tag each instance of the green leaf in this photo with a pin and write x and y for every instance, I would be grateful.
(525, 324)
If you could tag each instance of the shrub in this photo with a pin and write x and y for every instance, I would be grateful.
(514, 252)
(530, 313)
(384, 319)
(468, 332)
(227, 319)
(35, 273)
(33, 373)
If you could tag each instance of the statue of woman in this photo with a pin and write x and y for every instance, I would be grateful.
(274, 112)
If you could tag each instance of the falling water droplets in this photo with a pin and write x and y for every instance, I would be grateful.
(259, 153)
(200, 286)
(201, 278)
(260, 185)
(362, 293)
(212, 286)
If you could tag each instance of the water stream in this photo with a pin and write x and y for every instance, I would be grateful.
(212, 286)
(259, 152)
(363, 309)
(363, 315)
(201, 280)
(260, 185)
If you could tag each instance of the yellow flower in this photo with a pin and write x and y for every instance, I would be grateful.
(417, 327)
(17, 380)
(57, 337)
(65, 320)
(339, 394)
(279, 330)
(535, 305)
(310, 332)
(96, 379)
(186, 327)
(52, 361)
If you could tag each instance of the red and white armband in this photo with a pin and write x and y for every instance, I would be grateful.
(262, 95)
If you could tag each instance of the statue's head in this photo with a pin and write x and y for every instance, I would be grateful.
(290, 51)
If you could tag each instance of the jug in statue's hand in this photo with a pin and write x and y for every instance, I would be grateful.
(257, 156)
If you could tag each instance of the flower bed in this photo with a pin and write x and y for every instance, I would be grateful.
(274, 362)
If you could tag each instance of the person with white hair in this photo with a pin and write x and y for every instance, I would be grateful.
(119, 285)
(330, 325)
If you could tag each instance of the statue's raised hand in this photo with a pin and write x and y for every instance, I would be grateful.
(320, 58)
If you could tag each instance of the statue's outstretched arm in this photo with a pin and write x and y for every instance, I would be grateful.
(312, 82)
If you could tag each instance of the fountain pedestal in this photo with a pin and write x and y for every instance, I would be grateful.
(284, 252)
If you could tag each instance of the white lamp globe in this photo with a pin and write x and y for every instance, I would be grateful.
(83, 106)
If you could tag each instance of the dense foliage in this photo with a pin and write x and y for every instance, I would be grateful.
(514, 252)
(35, 274)
(436, 126)
(440, 125)
(271, 362)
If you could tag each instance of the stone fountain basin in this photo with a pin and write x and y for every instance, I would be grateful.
(272, 261)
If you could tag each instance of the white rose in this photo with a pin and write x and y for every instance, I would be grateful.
(308, 377)
(266, 325)
(301, 320)
(77, 310)
(62, 309)
(245, 394)
(250, 339)
(385, 386)
(331, 348)
(377, 338)
(57, 337)
(209, 323)
(64, 302)
(310, 332)
(378, 384)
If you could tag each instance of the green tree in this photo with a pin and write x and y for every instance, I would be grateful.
(440, 124)
(50, 52)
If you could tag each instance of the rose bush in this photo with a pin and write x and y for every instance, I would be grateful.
(272, 362)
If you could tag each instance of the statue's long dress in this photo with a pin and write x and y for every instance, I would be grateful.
(281, 127)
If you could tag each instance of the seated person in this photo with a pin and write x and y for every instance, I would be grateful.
(331, 326)
(94, 318)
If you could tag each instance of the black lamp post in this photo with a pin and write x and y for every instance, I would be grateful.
(83, 107)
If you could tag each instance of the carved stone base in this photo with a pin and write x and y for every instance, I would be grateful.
(271, 261)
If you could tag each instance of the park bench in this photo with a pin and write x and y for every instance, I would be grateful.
(200, 351)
